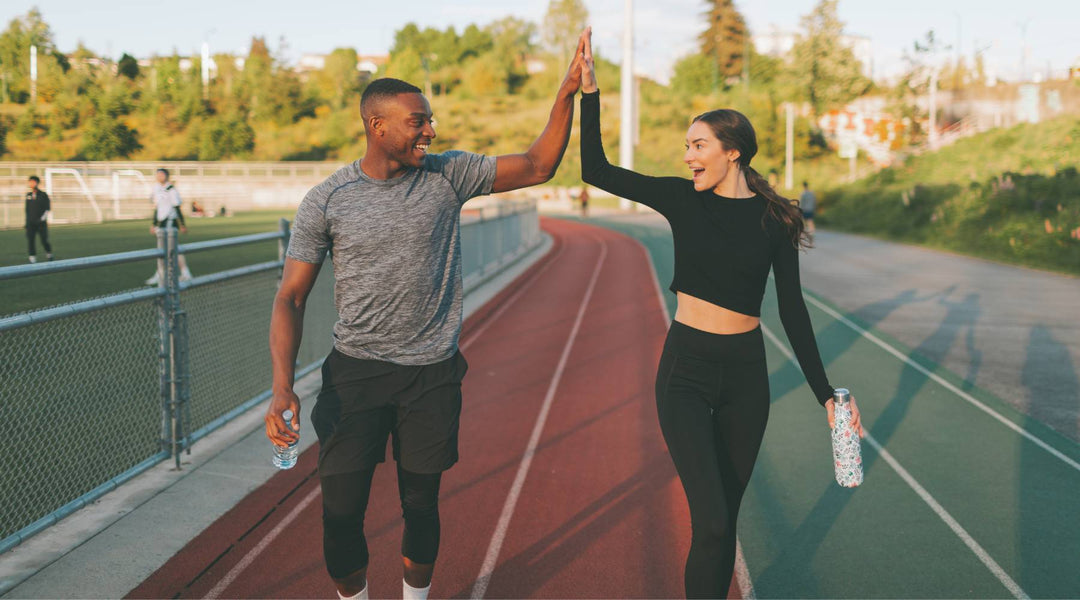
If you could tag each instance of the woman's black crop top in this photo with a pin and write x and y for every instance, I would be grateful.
(722, 251)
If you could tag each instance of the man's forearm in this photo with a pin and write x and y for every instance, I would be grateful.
(547, 151)
(286, 330)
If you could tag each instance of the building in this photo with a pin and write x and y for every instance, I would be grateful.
(778, 43)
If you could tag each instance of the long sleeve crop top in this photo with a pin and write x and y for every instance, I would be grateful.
(722, 252)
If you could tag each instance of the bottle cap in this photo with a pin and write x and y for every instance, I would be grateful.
(288, 414)
(841, 395)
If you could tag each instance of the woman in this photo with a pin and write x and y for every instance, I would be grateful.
(712, 386)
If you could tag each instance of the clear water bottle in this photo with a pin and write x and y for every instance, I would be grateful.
(846, 445)
(285, 456)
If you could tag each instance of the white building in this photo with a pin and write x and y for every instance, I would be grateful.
(778, 43)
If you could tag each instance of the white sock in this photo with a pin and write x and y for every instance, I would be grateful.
(361, 595)
(411, 593)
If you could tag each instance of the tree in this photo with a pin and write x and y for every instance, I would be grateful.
(563, 23)
(823, 66)
(512, 43)
(694, 74)
(128, 67)
(725, 39)
(15, 42)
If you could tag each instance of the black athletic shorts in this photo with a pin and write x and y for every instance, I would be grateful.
(363, 402)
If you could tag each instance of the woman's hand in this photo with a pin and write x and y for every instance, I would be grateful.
(588, 69)
(856, 420)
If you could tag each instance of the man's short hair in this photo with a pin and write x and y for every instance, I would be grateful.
(804, 184)
(165, 171)
(383, 89)
(35, 178)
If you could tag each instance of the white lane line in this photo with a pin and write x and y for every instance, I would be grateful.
(510, 301)
(262, 545)
(742, 572)
(492, 556)
(944, 383)
(943, 514)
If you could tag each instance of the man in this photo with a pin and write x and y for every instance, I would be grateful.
(808, 202)
(391, 222)
(167, 215)
(37, 215)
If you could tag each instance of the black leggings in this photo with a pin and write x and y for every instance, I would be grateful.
(32, 231)
(345, 500)
(712, 398)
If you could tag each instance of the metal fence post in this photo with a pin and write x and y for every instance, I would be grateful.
(164, 340)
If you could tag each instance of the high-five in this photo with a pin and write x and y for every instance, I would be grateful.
(712, 386)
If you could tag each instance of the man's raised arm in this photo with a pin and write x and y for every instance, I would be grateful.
(539, 163)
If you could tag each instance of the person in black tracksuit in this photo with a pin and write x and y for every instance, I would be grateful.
(37, 214)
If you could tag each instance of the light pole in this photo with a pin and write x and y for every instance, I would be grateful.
(626, 95)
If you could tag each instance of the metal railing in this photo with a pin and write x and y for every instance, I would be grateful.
(94, 392)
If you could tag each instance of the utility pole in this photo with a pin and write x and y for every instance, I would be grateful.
(1023, 25)
(933, 107)
(33, 75)
(205, 71)
(789, 153)
(626, 111)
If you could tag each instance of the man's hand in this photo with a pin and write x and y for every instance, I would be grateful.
(588, 68)
(572, 81)
(276, 428)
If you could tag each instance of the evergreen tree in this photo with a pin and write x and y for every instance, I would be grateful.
(725, 39)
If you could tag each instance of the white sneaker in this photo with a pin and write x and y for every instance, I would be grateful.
(33, 259)
(185, 275)
(153, 280)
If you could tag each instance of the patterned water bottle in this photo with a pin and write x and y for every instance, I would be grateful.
(846, 445)
(285, 456)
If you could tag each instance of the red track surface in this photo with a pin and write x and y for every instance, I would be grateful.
(601, 513)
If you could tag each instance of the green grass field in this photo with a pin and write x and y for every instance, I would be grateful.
(73, 241)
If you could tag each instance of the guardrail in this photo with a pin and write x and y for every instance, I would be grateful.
(95, 392)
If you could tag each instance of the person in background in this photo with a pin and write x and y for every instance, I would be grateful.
(37, 215)
(167, 214)
(584, 201)
(808, 202)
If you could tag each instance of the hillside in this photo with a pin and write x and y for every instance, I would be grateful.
(1011, 195)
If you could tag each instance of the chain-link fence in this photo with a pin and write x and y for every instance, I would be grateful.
(94, 392)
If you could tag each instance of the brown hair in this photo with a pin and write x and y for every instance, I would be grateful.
(735, 132)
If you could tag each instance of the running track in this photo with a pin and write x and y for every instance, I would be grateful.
(564, 488)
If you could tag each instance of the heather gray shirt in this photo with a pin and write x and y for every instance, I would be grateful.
(807, 201)
(396, 250)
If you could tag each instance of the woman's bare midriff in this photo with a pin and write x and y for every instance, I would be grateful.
(706, 316)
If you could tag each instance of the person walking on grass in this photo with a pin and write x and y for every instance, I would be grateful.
(712, 384)
(167, 214)
(37, 218)
(391, 224)
(807, 203)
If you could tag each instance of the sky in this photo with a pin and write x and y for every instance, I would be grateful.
(665, 30)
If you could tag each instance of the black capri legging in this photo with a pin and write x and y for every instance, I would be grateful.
(345, 500)
(712, 398)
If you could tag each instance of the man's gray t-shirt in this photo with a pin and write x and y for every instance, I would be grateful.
(807, 201)
(396, 250)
